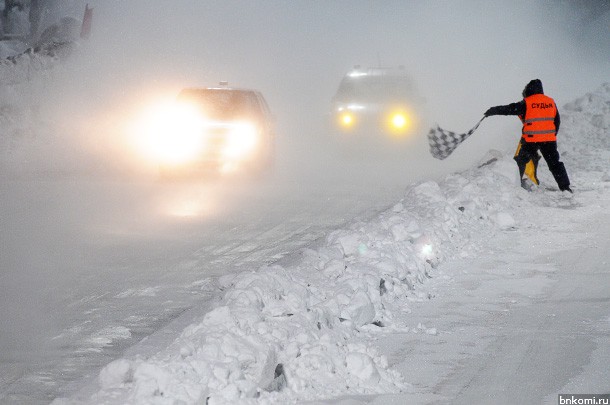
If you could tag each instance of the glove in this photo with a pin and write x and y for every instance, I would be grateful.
(490, 111)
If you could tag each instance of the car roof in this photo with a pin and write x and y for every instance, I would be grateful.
(358, 71)
(221, 87)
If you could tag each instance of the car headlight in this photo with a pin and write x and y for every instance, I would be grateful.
(181, 137)
(170, 133)
(399, 122)
(242, 139)
(347, 119)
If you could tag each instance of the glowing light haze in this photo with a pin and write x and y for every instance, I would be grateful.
(464, 55)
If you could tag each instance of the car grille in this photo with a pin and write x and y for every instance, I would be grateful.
(215, 140)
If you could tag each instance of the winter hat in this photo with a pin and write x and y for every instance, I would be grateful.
(533, 87)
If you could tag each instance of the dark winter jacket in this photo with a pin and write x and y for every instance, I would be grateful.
(518, 108)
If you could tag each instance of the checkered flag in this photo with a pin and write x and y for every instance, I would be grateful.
(443, 143)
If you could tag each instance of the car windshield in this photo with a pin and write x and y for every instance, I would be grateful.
(374, 88)
(221, 104)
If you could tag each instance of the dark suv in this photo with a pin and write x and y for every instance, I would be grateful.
(227, 129)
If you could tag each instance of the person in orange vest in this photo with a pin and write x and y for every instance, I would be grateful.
(541, 121)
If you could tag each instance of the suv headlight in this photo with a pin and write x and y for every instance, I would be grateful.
(169, 133)
(347, 119)
(400, 122)
(180, 138)
(242, 139)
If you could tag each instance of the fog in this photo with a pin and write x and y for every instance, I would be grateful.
(464, 56)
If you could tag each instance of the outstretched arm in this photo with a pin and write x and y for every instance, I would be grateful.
(517, 108)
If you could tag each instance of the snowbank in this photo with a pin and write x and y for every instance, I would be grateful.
(20, 77)
(31, 137)
(307, 330)
(586, 125)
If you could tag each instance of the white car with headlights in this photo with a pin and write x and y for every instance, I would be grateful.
(376, 102)
(217, 129)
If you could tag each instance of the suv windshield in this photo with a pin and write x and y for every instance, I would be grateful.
(374, 88)
(222, 104)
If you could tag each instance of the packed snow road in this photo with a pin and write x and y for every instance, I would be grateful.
(92, 265)
(522, 324)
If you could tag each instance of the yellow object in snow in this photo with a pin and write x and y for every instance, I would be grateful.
(531, 167)
(530, 171)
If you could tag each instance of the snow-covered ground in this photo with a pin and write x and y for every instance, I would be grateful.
(467, 290)
(352, 319)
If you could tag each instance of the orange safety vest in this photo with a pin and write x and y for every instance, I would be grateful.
(539, 120)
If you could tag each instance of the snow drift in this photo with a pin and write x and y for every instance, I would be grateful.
(24, 80)
(306, 329)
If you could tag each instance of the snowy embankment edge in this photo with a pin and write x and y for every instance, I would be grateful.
(307, 330)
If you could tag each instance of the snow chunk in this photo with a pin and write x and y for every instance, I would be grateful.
(398, 208)
(116, 373)
(362, 366)
(334, 268)
(351, 243)
(150, 381)
(504, 220)
(360, 310)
